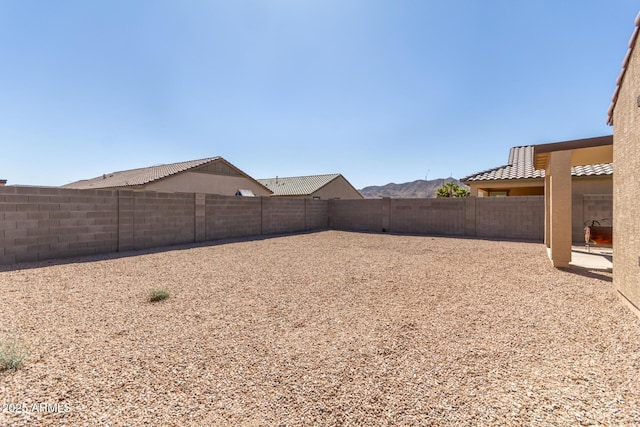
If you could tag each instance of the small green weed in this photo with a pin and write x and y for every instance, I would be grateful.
(12, 353)
(158, 295)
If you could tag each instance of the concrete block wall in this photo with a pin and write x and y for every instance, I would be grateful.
(589, 207)
(520, 218)
(161, 219)
(39, 223)
(316, 214)
(428, 216)
(357, 215)
(517, 218)
(227, 217)
(283, 215)
(599, 207)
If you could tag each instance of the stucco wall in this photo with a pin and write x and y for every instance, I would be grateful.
(338, 188)
(206, 183)
(592, 185)
(527, 191)
(626, 186)
(525, 187)
(535, 187)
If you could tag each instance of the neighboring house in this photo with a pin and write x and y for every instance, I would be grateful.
(520, 178)
(624, 116)
(213, 175)
(3, 182)
(332, 186)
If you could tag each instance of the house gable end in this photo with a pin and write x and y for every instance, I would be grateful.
(218, 167)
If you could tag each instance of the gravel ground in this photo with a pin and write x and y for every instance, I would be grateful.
(329, 328)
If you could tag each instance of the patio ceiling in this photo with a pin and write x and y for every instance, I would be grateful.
(583, 151)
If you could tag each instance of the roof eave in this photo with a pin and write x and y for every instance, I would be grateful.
(542, 152)
(625, 64)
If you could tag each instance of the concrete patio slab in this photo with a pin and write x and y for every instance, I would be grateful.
(597, 258)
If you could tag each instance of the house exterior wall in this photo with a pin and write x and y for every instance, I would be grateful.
(339, 188)
(516, 187)
(197, 182)
(527, 191)
(592, 185)
(626, 203)
(535, 187)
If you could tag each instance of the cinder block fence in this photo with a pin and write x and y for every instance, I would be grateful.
(519, 218)
(39, 223)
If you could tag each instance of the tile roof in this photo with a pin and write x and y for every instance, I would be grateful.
(625, 64)
(297, 185)
(138, 176)
(520, 166)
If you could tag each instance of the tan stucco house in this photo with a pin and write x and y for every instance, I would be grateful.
(519, 177)
(329, 186)
(213, 175)
(624, 116)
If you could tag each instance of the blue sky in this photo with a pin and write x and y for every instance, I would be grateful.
(380, 91)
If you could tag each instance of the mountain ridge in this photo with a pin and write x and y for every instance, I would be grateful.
(418, 189)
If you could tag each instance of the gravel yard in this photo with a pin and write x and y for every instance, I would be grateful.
(328, 328)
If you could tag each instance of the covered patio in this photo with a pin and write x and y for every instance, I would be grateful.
(557, 159)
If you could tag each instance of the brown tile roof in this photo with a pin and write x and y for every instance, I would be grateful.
(139, 176)
(521, 166)
(297, 185)
(625, 64)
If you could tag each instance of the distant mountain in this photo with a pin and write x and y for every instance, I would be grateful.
(419, 189)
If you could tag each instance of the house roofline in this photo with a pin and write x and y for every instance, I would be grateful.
(625, 65)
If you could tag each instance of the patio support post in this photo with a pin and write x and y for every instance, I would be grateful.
(547, 211)
(559, 175)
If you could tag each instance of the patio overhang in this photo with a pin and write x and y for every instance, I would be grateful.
(557, 159)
